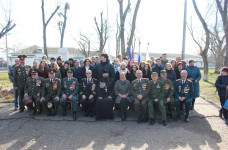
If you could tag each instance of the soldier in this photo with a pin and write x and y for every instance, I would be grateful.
(51, 92)
(88, 93)
(33, 88)
(183, 94)
(140, 90)
(20, 75)
(70, 87)
(15, 92)
(168, 94)
(156, 96)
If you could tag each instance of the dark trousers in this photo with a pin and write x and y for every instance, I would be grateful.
(224, 111)
(21, 97)
(123, 105)
(15, 97)
(87, 104)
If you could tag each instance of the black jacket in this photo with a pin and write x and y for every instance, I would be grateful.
(171, 75)
(107, 90)
(221, 84)
(105, 65)
(82, 73)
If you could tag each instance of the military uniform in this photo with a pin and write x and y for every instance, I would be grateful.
(15, 91)
(20, 75)
(140, 87)
(183, 89)
(33, 88)
(87, 88)
(50, 92)
(168, 93)
(157, 92)
(70, 86)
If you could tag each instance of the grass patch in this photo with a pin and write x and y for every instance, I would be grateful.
(4, 80)
(207, 88)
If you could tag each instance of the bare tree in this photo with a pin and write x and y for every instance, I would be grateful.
(7, 28)
(223, 13)
(217, 46)
(62, 24)
(45, 25)
(133, 25)
(102, 32)
(123, 15)
(203, 50)
(117, 37)
(84, 45)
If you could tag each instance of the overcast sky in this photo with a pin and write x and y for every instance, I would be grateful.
(159, 22)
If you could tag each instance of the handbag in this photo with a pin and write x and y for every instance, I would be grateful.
(225, 106)
(28, 100)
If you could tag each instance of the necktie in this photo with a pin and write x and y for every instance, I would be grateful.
(51, 81)
(88, 81)
(182, 81)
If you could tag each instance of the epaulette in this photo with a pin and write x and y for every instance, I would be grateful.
(84, 79)
(178, 79)
(27, 65)
(189, 80)
(145, 79)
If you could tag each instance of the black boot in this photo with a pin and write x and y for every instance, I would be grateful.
(151, 121)
(54, 113)
(34, 111)
(21, 110)
(186, 119)
(49, 112)
(193, 102)
(122, 115)
(64, 112)
(164, 123)
(74, 116)
(178, 117)
(220, 113)
(139, 120)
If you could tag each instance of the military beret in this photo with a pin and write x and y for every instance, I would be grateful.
(22, 57)
(34, 71)
(154, 74)
(163, 72)
(66, 62)
(70, 70)
(51, 71)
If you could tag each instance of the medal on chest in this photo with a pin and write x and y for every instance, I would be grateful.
(72, 87)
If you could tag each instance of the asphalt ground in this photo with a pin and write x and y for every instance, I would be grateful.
(25, 131)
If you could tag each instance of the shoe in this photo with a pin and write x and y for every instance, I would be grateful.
(125, 115)
(139, 120)
(38, 112)
(220, 114)
(164, 122)
(74, 116)
(151, 121)
(21, 110)
(16, 108)
(186, 119)
(34, 112)
(64, 112)
(54, 113)
(122, 115)
(49, 112)
(178, 117)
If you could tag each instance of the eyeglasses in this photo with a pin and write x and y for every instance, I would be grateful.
(88, 73)
(33, 74)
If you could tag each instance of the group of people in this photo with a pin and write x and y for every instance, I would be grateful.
(97, 86)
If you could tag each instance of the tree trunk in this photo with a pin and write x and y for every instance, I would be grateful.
(205, 69)
(133, 23)
(44, 30)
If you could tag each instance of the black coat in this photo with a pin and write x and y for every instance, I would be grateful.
(221, 84)
(171, 75)
(157, 69)
(106, 91)
(105, 65)
(82, 73)
(147, 75)
(117, 76)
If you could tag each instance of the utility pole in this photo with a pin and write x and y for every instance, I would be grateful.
(7, 54)
(184, 30)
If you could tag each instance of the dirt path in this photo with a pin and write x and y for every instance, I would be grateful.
(23, 131)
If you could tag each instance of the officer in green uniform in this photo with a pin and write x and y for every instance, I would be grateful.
(70, 87)
(140, 90)
(156, 96)
(51, 93)
(20, 75)
(168, 94)
(33, 88)
(183, 94)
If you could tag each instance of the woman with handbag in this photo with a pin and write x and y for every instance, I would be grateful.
(222, 87)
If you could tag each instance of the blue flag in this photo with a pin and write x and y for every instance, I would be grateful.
(129, 53)
(139, 58)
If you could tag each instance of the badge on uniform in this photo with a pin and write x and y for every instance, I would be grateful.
(102, 84)
(93, 87)
(72, 87)
(55, 84)
(186, 89)
(167, 86)
(38, 82)
(144, 86)
(65, 85)
(158, 86)
(47, 85)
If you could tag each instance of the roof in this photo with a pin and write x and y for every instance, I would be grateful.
(169, 55)
(51, 50)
